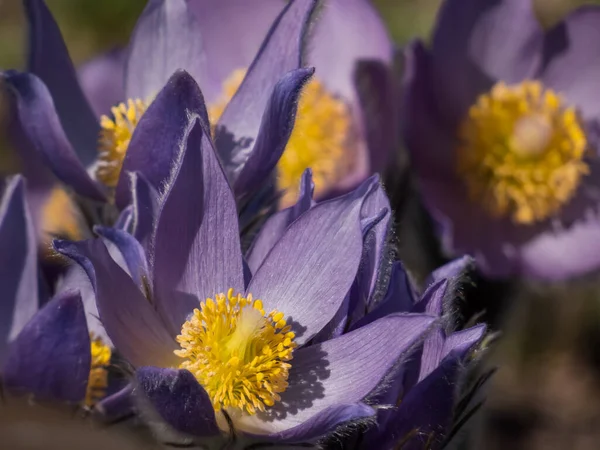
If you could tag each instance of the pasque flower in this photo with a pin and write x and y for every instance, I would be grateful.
(500, 118)
(214, 340)
(48, 353)
(95, 157)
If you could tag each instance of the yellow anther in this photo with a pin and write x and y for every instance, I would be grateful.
(521, 152)
(236, 352)
(98, 379)
(114, 139)
(322, 138)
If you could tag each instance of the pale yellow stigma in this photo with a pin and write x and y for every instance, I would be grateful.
(114, 139)
(237, 352)
(521, 152)
(98, 379)
(321, 138)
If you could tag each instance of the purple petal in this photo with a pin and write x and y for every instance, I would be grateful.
(102, 80)
(43, 129)
(341, 371)
(131, 322)
(399, 297)
(378, 94)
(160, 133)
(116, 406)
(311, 268)
(477, 42)
(574, 67)
(125, 220)
(18, 263)
(275, 226)
(145, 208)
(345, 32)
(179, 400)
(197, 251)
(280, 53)
(463, 341)
(275, 129)
(453, 270)
(130, 250)
(324, 422)
(51, 357)
(49, 60)
(559, 254)
(219, 21)
(167, 38)
(427, 407)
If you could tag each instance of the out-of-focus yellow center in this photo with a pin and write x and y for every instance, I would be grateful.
(60, 217)
(115, 135)
(521, 152)
(98, 379)
(321, 138)
(237, 352)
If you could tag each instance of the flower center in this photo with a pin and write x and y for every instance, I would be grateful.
(321, 138)
(522, 152)
(237, 353)
(115, 135)
(98, 379)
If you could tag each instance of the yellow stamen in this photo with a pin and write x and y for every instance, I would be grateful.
(98, 379)
(321, 138)
(522, 152)
(60, 216)
(114, 139)
(237, 352)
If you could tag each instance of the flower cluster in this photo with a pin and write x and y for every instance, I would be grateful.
(200, 245)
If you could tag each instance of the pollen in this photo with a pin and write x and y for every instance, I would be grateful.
(98, 379)
(321, 138)
(522, 152)
(115, 135)
(239, 353)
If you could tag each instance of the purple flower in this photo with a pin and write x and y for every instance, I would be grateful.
(501, 120)
(58, 123)
(215, 339)
(47, 353)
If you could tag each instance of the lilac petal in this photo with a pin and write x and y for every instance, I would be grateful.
(378, 89)
(131, 322)
(197, 251)
(280, 53)
(159, 134)
(43, 129)
(399, 297)
(102, 80)
(573, 68)
(49, 60)
(116, 406)
(432, 301)
(145, 208)
(310, 270)
(453, 270)
(427, 407)
(130, 250)
(51, 357)
(463, 341)
(219, 21)
(275, 129)
(324, 422)
(125, 220)
(275, 226)
(477, 42)
(341, 371)
(167, 38)
(18, 263)
(179, 400)
(345, 32)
